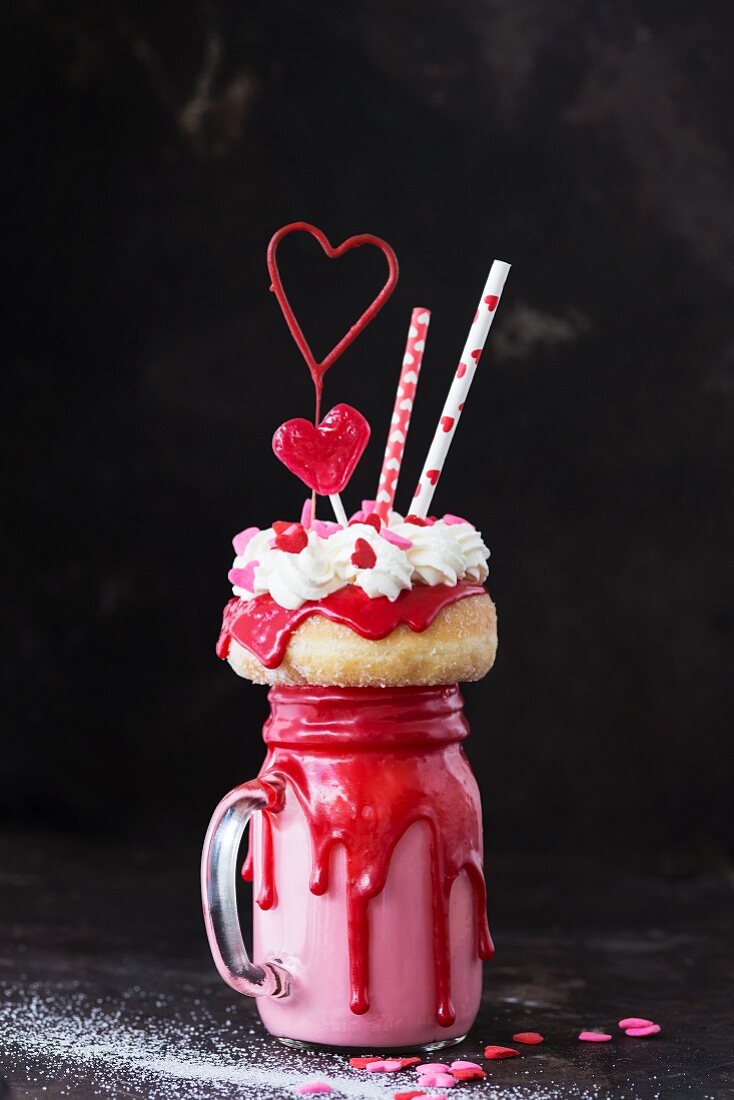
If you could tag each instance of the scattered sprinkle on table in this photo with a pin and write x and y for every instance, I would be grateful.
(493, 1052)
(310, 1088)
(634, 1021)
(643, 1032)
(594, 1037)
(529, 1038)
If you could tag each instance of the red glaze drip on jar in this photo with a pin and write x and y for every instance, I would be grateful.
(398, 752)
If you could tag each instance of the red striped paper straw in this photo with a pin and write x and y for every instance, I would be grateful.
(459, 389)
(402, 411)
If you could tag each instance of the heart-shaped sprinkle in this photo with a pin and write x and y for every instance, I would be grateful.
(491, 300)
(372, 520)
(474, 1074)
(634, 1021)
(364, 556)
(384, 1065)
(643, 1032)
(529, 1038)
(451, 520)
(438, 1080)
(477, 354)
(496, 1053)
(240, 542)
(461, 370)
(312, 1088)
(417, 520)
(325, 528)
(411, 1094)
(396, 539)
(323, 458)
(433, 1067)
(292, 538)
(594, 1037)
(447, 423)
(361, 1063)
(244, 578)
(433, 476)
(461, 1064)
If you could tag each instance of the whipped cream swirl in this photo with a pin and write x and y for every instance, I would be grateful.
(381, 563)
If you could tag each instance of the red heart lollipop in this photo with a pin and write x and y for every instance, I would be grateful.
(324, 457)
(318, 370)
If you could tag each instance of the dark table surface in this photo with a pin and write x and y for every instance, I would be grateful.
(107, 989)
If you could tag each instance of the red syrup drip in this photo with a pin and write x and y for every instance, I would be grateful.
(365, 765)
(264, 627)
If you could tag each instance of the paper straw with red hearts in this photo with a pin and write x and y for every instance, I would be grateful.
(459, 389)
(404, 398)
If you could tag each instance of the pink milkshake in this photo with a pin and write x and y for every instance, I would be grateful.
(365, 851)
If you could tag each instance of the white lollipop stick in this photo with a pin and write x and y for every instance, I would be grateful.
(336, 504)
(459, 389)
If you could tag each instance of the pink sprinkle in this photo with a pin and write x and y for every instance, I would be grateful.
(245, 577)
(369, 506)
(396, 539)
(307, 513)
(311, 1087)
(433, 1067)
(465, 1065)
(437, 1080)
(451, 521)
(594, 1037)
(325, 528)
(641, 1032)
(386, 1065)
(239, 542)
(635, 1021)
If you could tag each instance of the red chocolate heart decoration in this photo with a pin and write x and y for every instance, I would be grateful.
(324, 457)
(318, 370)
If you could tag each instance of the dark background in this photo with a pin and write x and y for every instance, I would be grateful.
(154, 149)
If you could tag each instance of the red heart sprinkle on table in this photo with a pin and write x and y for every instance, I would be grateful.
(530, 1038)
(493, 1052)
(475, 1074)
(447, 423)
(292, 540)
(433, 476)
(491, 300)
(364, 556)
(461, 370)
(360, 1063)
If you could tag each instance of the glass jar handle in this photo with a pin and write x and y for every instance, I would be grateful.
(219, 867)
